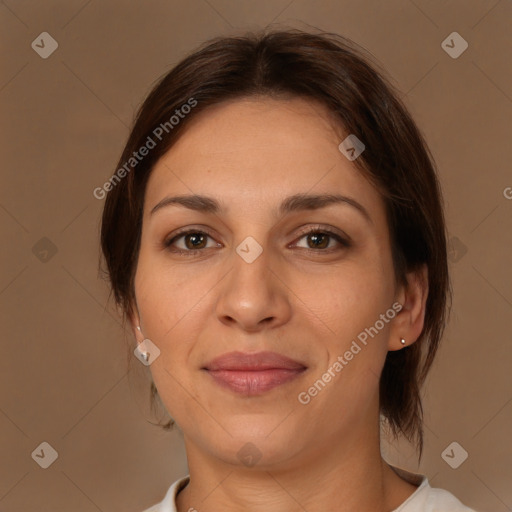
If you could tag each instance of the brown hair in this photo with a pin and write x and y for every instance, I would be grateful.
(330, 69)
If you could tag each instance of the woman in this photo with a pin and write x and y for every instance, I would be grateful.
(275, 237)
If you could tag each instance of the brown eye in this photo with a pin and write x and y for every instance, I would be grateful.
(195, 241)
(320, 240)
(192, 241)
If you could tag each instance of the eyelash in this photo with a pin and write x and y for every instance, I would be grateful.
(191, 252)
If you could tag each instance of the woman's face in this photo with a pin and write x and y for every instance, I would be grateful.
(258, 282)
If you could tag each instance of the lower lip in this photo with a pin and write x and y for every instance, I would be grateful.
(253, 382)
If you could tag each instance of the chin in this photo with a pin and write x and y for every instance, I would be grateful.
(249, 449)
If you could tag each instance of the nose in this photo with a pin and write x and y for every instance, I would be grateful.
(252, 297)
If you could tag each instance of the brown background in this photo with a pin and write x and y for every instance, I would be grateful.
(63, 367)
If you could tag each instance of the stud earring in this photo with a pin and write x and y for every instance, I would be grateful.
(402, 341)
(144, 354)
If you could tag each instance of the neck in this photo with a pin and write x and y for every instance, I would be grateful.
(336, 475)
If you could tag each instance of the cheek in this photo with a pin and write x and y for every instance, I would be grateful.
(349, 305)
(169, 308)
(173, 302)
(345, 298)
(167, 294)
(346, 304)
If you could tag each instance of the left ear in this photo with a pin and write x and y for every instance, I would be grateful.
(409, 321)
(134, 320)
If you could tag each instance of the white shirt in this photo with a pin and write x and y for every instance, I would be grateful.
(424, 499)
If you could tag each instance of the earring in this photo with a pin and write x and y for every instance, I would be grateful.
(402, 341)
(143, 354)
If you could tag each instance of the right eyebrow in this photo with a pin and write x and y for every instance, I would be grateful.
(192, 202)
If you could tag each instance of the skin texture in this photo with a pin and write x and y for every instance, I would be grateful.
(308, 305)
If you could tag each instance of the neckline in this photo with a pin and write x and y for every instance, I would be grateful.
(417, 479)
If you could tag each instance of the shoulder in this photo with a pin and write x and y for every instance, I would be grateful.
(168, 504)
(427, 498)
(440, 500)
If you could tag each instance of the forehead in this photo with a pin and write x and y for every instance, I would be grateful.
(263, 126)
(251, 152)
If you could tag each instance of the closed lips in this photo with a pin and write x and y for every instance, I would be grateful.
(261, 361)
(253, 374)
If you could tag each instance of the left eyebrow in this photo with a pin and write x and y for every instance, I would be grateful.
(296, 202)
(299, 202)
